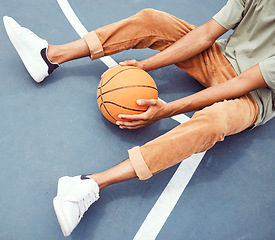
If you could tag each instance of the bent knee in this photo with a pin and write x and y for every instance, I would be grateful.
(147, 12)
(150, 16)
(213, 121)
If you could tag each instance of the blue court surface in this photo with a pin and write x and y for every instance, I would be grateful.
(54, 129)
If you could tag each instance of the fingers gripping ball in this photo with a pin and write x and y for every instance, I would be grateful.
(119, 90)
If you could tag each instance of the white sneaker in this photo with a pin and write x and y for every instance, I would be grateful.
(31, 49)
(74, 196)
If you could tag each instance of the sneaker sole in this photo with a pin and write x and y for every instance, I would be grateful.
(57, 203)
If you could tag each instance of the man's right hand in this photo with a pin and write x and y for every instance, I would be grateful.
(132, 62)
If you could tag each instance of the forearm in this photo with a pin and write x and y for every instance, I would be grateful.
(200, 99)
(248, 81)
(188, 46)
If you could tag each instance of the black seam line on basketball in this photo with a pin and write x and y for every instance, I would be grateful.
(132, 109)
(101, 97)
(129, 86)
(102, 103)
(107, 110)
(117, 74)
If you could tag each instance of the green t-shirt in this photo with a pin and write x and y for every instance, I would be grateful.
(251, 43)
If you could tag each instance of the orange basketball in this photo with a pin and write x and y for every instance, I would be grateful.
(120, 88)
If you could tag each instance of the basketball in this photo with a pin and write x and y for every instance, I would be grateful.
(120, 88)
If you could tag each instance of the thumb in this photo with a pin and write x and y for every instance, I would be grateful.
(147, 102)
(132, 62)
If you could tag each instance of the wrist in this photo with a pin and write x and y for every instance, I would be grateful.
(145, 65)
(167, 110)
(175, 107)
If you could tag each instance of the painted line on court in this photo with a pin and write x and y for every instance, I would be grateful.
(158, 215)
(79, 28)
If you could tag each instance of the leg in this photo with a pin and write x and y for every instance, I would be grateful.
(200, 133)
(119, 173)
(67, 52)
(148, 28)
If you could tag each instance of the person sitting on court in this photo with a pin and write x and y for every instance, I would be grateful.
(238, 73)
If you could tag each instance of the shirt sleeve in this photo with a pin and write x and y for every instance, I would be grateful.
(267, 67)
(231, 14)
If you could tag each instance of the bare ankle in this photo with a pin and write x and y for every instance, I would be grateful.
(54, 54)
(119, 173)
(101, 184)
(67, 52)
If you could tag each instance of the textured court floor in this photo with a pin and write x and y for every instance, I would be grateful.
(53, 129)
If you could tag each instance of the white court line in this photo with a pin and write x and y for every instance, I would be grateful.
(158, 215)
(79, 28)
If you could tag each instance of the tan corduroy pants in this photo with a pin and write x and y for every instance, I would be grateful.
(158, 30)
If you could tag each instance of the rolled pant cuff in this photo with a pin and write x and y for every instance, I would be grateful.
(94, 45)
(139, 164)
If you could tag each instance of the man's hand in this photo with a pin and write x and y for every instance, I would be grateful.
(154, 113)
(132, 62)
